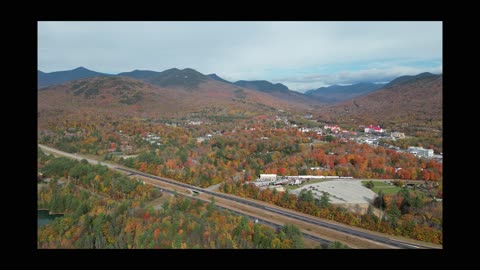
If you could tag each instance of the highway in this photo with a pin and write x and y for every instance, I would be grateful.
(274, 209)
(373, 237)
(322, 241)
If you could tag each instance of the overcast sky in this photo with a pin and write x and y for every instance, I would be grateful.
(301, 55)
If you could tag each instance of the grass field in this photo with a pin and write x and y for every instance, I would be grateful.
(386, 188)
(389, 189)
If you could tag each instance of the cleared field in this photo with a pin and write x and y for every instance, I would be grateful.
(341, 191)
(386, 188)
(390, 189)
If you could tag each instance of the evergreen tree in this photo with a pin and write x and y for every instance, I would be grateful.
(394, 213)
(379, 201)
(325, 200)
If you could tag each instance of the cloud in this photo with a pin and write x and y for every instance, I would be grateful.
(352, 77)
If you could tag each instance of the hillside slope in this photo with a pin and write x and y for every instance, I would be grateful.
(122, 96)
(339, 93)
(413, 103)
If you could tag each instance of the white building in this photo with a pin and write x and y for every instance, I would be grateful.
(201, 139)
(194, 123)
(268, 177)
(420, 151)
(372, 128)
(333, 128)
(397, 135)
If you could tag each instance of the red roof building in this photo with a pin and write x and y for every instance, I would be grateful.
(372, 128)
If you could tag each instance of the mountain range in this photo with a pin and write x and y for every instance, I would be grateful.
(170, 93)
(186, 78)
(190, 79)
(51, 78)
(407, 100)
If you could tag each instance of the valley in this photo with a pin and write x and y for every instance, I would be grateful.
(251, 135)
(205, 133)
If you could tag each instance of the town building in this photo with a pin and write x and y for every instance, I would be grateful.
(267, 177)
(397, 135)
(372, 128)
(333, 128)
(420, 152)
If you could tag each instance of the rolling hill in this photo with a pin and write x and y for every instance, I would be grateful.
(410, 78)
(416, 102)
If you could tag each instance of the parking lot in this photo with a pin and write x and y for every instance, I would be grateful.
(341, 191)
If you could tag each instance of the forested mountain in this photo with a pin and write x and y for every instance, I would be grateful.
(412, 102)
(217, 78)
(338, 93)
(51, 78)
(127, 96)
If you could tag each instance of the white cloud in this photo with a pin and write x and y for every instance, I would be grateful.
(352, 77)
